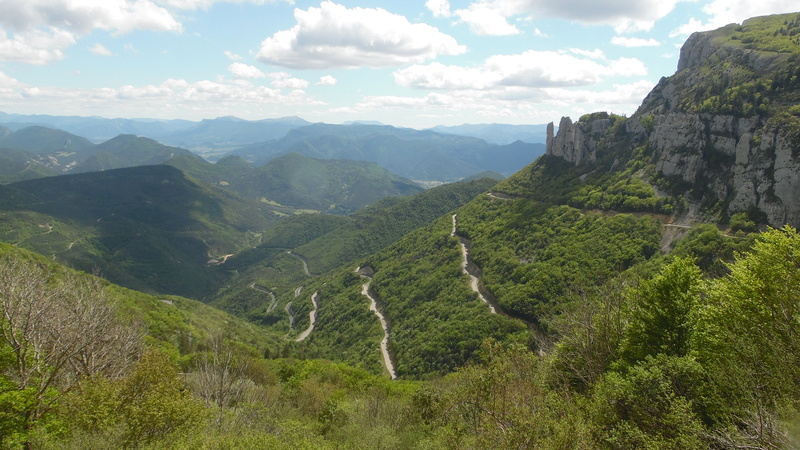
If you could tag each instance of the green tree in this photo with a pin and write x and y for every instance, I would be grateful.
(660, 316)
(651, 406)
(155, 401)
(747, 338)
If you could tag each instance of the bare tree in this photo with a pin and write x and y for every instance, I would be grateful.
(219, 378)
(590, 334)
(60, 327)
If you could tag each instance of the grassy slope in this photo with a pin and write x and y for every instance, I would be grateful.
(171, 322)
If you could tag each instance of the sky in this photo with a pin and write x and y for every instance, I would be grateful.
(405, 63)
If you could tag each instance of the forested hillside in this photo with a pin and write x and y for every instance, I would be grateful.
(321, 243)
(625, 290)
(300, 182)
(148, 228)
(37, 151)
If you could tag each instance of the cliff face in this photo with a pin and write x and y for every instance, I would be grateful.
(576, 142)
(725, 124)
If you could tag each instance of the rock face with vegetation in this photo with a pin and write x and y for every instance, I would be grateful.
(725, 127)
(600, 335)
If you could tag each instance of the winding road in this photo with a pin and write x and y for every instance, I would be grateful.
(302, 260)
(273, 301)
(313, 317)
(288, 307)
(387, 359)
(474, 282)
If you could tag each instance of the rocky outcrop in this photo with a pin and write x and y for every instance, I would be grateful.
(742, 161)
(576, 142)
(700, 48)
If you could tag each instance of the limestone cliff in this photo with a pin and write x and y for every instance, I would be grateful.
(724, 128)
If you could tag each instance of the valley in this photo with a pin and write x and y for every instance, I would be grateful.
(630, 282)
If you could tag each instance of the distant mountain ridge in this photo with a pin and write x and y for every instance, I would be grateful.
(96, 129)
(38, 150)
(496, 133)
(415, 154)
(208, 136)
(334, 186)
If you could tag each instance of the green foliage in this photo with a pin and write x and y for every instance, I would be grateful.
(744, 332)
(651, 406)
(711, 249)
(740, 221)
(16, 406)
(328, 242)
(622, 191)
(436, 321)
(345, 330)
(549, 179)
(155, 403)
(671, 362)
(729, 85)
(374, 228)
(504, 402)
(648, 122)
(777, 33)
(532, 254)
(150, 405)
(127, 150)
(660, 312)
(16, 165)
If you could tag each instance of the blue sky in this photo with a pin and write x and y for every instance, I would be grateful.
(410, 63)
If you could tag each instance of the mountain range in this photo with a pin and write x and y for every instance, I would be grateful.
(623, 290)
(419, 155)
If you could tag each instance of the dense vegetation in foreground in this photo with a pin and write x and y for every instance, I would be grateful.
(561, 309)
(673, 359)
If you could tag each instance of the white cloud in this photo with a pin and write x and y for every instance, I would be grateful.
(335, 36)
(592, 54)
(439, 8)
(623, 15)
(171, 98)
(9, 85)
(35, 46)
(513, 105)
(724, 12)
(548, 69)
(233, 56)
(634, 42)
(38, 31)
(439, 76)
(327, 80)
(535, 69)
(283, 80)
(205, 4)
(100, 50)
(245, 71)
(622, 94)
(485, 20)
(83, 16)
